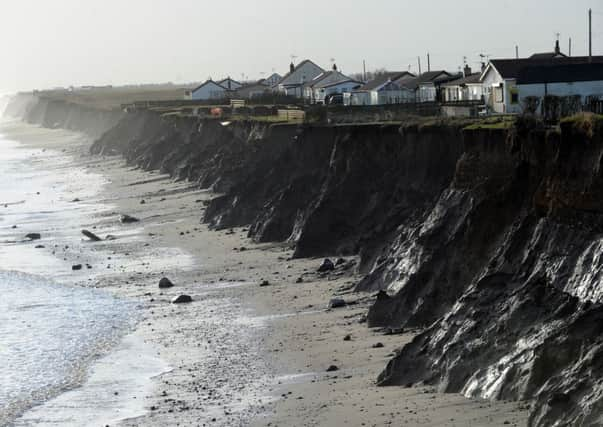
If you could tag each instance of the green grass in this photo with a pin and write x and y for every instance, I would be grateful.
(499, 123)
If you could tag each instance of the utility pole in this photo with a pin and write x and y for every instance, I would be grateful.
(364, 70)
(516, 52)
(569, 52)
(428, 62)
(590, 35)
(419, 60)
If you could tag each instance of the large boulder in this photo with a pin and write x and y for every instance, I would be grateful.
(127, 219)
(326, 266)
(182, 299)
(33, 236)
(165, 283)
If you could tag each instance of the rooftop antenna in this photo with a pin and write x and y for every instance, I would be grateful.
(293, 58)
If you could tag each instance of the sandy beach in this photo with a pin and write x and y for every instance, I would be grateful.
(240, 353)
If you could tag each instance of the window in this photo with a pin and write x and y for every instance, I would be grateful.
(514, 97)
(498, 94)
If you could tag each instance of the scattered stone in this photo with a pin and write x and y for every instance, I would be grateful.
(182, 299)
(76, 267)
(33, 236)
(300, 280)
(110, 237)
(393, 331)
(142, 202)
(265, 283)
(75, 200)
(14, 227)
(378, 345)
(340, 261)
(91, 236)
(127, 219)
(327, 265)
(348, 337)
(40, 246)
(165, 283)
(337, 303)
(332, 368)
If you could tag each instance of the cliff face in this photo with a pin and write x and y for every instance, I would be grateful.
(56, 114)
(506, 271)
(490, 239)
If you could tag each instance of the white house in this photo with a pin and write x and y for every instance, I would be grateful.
(467, 88)
(385, 89)
(499, 79)
(294, 82)
(230, 84)
(209, 90)
(427, 85)
(327, 83)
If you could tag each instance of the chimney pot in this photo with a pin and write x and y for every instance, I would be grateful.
(291, 67)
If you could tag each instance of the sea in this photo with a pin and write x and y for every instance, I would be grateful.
(65, 348)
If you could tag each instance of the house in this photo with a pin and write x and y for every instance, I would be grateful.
(467, 88)
(272, 80)
(293, 83)
(427, 85)
(578, 81)
(499, 79)
(209, 90)
(385, 89)
(253, 90)
(555, 54)
(328, 83)
(230, 84)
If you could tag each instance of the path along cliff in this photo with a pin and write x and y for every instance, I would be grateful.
(488, 238)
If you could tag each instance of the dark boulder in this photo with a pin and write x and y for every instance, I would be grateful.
(76, 267)
(165, 283)
(332, 368)
(33, 236)
(127, 219)
(327, 265)
(182, 299)
(337, 303)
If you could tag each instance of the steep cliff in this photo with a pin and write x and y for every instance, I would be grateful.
(56, 114)
(506, 274)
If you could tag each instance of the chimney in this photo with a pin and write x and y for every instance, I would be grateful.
(292, 67)
(334, 67)
(466, 71)
(483, 66)
(557, 48)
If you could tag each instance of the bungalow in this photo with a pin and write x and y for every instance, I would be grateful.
(230, 84)
(499, 79)
(209, 90)
(328, 83)
(385, 89)
(427, 85)
(294, 82)
(467, 88)
(253, 90)
(273, 79)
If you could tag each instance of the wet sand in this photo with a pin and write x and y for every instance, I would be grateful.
(240, 353)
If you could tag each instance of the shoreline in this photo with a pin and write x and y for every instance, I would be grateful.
(278, 326)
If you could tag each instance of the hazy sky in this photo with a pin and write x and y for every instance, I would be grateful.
(46, 43)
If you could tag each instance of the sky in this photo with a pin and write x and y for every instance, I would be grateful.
(45, 44)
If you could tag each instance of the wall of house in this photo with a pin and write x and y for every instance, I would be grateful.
(427, 93)
(583, 89)
(304, 73)
(209, 91)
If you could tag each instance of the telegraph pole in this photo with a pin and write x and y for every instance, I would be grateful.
(364, 70)
(419, 60)
(569, 52)
(428, 62)
(516, 52)
(590, 35)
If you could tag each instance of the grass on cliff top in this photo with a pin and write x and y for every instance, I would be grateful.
(498, 122)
